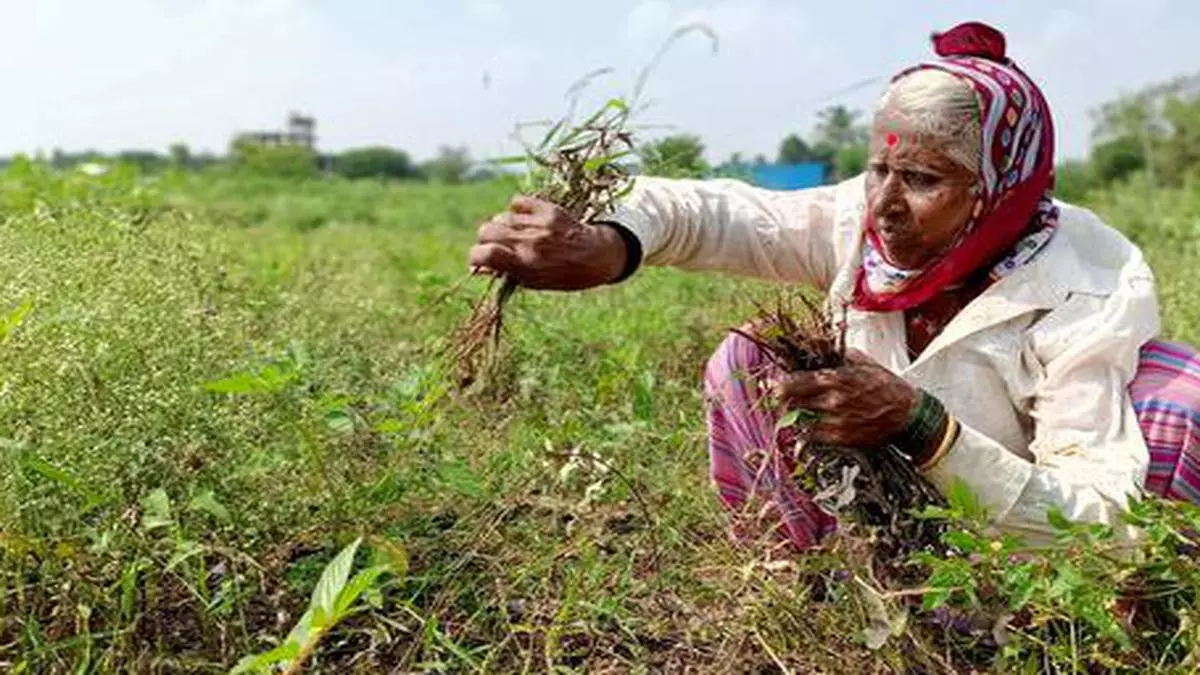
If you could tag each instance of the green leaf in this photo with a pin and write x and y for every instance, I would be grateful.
(51, 472)
(597, 162)
(206, 502)
(156, 510)
(788, 419)
(390, 426)
(964, 502)
(933, 513)
(362, 581)
(1020, 585)
(963, 541)
(1057, 520)
(270, 379)
(185, 551)
(511, 159)
(396, 555)
(264, 662)
(459, 477)
(935, 598)
(305, 629)
(238, 383)
(13, 320)
(339, 421)
(549, 137)
(333, 579)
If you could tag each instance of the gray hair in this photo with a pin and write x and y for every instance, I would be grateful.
(942, 106)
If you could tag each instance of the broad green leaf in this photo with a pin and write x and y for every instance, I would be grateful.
(238, 383)
(270, 379)
(206, 502)
(304, 630)
(333, 579)
(339, 421)
(156, 510)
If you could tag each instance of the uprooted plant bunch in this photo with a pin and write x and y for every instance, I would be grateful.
(877, 490)
(578, 166)
(578, 169)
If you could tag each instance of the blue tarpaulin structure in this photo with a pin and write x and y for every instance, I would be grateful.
(778, 176)
(788, 176)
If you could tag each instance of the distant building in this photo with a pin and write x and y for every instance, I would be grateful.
(300, 131)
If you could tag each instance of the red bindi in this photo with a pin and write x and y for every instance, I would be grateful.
(892, 139)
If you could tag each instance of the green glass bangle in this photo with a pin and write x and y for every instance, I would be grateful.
(920, 437)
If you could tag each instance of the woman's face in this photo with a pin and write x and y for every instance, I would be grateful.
(920, 197)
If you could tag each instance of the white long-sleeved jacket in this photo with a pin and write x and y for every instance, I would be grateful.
(1036, 368)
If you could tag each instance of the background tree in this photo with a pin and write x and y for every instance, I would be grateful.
(450, 166)
(679, 156)
(375, 162)
(840, 140)
(180, 154)
(288, 161)
(793, 150)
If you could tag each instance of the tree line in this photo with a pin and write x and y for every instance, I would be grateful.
(450, 165)
(1153, 134)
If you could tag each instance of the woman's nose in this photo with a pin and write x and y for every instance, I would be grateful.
(888, 199)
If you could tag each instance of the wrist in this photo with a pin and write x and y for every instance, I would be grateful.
(625, 250)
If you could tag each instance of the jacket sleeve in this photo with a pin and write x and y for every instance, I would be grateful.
(729, 226)
(1087, 456)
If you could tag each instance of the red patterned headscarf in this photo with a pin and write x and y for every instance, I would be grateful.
(1014, 217)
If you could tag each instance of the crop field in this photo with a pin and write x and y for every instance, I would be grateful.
(212, 384)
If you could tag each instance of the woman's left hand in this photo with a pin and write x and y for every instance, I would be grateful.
(859, 404)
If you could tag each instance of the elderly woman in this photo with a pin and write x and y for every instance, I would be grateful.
(1002, 338)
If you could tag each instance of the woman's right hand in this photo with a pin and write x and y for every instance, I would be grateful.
(540, 246)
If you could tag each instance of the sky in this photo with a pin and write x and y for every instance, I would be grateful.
(419, 74)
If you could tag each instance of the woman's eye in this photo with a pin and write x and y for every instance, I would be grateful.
(880, 170)
(920, 179)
